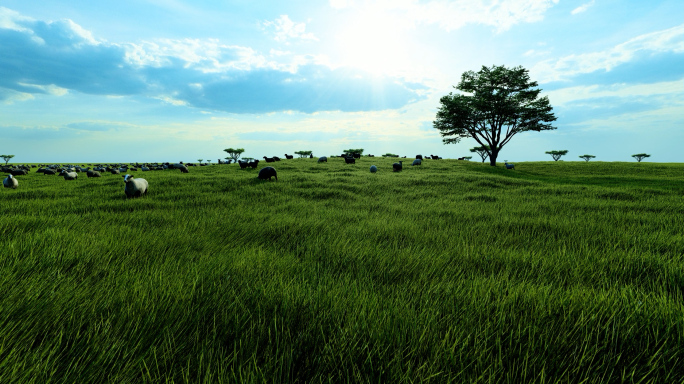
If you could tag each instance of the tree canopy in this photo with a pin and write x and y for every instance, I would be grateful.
(303, 153)
(7, 158)
(495, 104)
(557, 154)
(234, 153)
(358, 151)
(640, 156)
(587, 157)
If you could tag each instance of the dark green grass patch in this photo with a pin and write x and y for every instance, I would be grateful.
(447, 272)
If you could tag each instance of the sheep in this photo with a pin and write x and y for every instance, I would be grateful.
(289, 156)
(254, 163)
(417, 162)
(114, 172)
(311, 156)
(243, 164)
(435, 157)
(269, 159)
(267, 173)
(135, 187)
(93, 174)
(183, 169)
(356, 155)
(69, 175)
(144, 168)
(373, 169)
(510, 166)
(323, 159)
(10, 182)
(397, 167)
(49, 172)
(18, 172)
(350, 160)
(276, 158)
(419, 157)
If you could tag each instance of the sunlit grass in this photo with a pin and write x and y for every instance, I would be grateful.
(447, 272)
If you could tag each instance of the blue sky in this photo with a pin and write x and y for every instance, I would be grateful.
(174, 80)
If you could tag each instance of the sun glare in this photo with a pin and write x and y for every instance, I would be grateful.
(375, 43)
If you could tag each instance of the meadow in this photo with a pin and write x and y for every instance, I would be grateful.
(454, 271)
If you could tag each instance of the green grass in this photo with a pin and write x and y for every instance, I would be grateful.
(448, 272)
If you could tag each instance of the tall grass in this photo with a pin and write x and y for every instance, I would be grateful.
(447, 272)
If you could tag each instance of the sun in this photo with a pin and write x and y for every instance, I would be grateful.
(375, 43)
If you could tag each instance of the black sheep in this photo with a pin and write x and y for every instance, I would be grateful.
(266, 173)
(350, 160)
(397, 166)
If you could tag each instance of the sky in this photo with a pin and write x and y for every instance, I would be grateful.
(176, 80)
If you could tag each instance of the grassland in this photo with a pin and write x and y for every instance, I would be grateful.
(449, 272)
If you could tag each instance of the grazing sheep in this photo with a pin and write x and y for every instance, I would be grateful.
(10, 182)
(461, 158)
(435, 157)
(114, 171)
(276, 158)
(267, 173)
(417, 162)
(269, 159)
(323, 159)
(243, 164)
(135, 187)
(183, 169)
(289, 156)
(144, 168)
(419, 157)
(93, 174)
(254, 163)
(49, 172)
(350, 160)
(373, 169)
(69, 175)
(397, 167)
(510, 166)
(18, 172)
(356, 155)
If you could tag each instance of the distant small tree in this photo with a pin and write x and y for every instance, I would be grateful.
(557, 154)
(7, 158)
(587, 157)
(234, 153)
(200, 161)
(208, 161)
(303, 153)
(482, 150)
(640, 156)
(390, 155)
(468, 158)
(353, 151)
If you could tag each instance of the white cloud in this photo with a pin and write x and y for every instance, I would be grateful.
(454, 14)
(568, 95)
(582, 7)
(285, 29)
(669, 40)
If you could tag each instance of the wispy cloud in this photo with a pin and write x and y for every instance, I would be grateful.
(56, 57)
(669, 40)
(285, 30)
(582, 7)
(454, 14)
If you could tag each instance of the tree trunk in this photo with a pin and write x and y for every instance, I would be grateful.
(492, 158)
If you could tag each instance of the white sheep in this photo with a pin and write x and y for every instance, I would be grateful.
(135, 187)
(69, 175)
(10, 182)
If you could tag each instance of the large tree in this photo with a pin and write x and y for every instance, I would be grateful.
(234, 153)
(557, 154)
(640, 156)
(483, 151)
(494, 105)
(303, 153)
(7, 158)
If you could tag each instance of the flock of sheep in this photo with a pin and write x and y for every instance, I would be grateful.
(135, 187)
